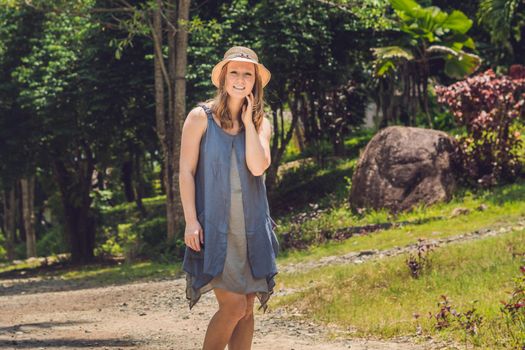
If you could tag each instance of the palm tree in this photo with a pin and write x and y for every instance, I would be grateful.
(505, 21)
(432, 42)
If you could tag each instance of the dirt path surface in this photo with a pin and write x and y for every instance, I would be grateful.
(51, 313)
(150, 315)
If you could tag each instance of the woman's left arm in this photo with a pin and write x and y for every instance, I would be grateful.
(258, 155)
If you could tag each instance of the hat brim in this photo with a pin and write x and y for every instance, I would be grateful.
(263, 71)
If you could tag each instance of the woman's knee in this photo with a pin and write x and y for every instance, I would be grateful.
(236, 310)
(233, 305)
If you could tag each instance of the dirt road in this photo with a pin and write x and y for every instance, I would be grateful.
(54, 314)
(39, 313)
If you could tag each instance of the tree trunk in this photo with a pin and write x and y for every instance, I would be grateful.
(126, 178)
(164, 130)
(271, 178)
(138, 185)
(20, 230)
(169, 124)
(171, 29)
(28, 214)
(181, 63)
(10, 221)
(75, 187)
(299, 134)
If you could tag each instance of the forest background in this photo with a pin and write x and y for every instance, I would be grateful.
(93, 94)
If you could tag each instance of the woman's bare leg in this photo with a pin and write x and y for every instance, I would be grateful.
(242, 335)
(232, 308)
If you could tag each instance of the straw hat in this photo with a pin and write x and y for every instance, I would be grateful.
(241, 54)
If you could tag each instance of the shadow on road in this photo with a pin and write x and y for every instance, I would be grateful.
(66, 343)
(18, 327)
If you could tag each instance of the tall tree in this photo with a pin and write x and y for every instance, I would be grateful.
(173, 79)
(167, 24)
(80, 95)
(18, 130)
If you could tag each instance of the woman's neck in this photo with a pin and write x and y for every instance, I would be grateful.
(234, 107)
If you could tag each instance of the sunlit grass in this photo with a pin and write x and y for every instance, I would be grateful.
(505, 205)
(26, 264)
(379, 298)
(123, 272)
(99, 274)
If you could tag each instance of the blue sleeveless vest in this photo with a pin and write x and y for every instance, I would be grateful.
(212, 202)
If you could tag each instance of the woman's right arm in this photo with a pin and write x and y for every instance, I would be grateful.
(192, 131)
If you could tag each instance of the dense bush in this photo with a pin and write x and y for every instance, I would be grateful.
(3, 252)
(142, 239)
(52, 242)
(489, 107)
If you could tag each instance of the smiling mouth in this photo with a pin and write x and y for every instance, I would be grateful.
(238, 88)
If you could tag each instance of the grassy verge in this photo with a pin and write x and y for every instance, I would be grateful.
(123, 273)
(96, 274)
(504, 206)
(380, 298)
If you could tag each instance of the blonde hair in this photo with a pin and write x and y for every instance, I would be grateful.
(220, 102)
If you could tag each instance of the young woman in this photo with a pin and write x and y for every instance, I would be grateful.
(231, 246)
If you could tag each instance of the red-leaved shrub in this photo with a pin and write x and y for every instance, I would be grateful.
(488, 106)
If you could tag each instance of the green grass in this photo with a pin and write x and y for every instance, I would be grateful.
(379, 298)
(506, 205)
(123, 273)
(96, 274)
(24, 265)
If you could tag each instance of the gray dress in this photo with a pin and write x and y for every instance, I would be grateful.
(240, 244)
(237, 275)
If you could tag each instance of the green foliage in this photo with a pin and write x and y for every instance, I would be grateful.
(430, 34)
(52, 242)
(3, 252)
(127, 211)
(369, 14)
(102, 198)
(47, 71)
(514, 310)
(152, 232)
(18, 131)
(319, 148)
(503, 18)
(204, 50)
(109, 248)
(431, 43)
(140, 239)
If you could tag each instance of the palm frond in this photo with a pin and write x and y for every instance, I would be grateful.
(497, 16)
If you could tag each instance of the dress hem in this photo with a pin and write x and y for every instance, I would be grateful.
(193, 295)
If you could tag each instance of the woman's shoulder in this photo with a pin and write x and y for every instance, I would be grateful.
(197, 120)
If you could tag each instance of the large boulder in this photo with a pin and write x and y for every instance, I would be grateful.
(402, 167)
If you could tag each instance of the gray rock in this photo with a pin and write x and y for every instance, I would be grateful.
(402, 167)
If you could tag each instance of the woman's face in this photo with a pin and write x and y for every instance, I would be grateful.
(240, 79)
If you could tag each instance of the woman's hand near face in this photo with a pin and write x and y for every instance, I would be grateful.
(194, 235)
(247, 109)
